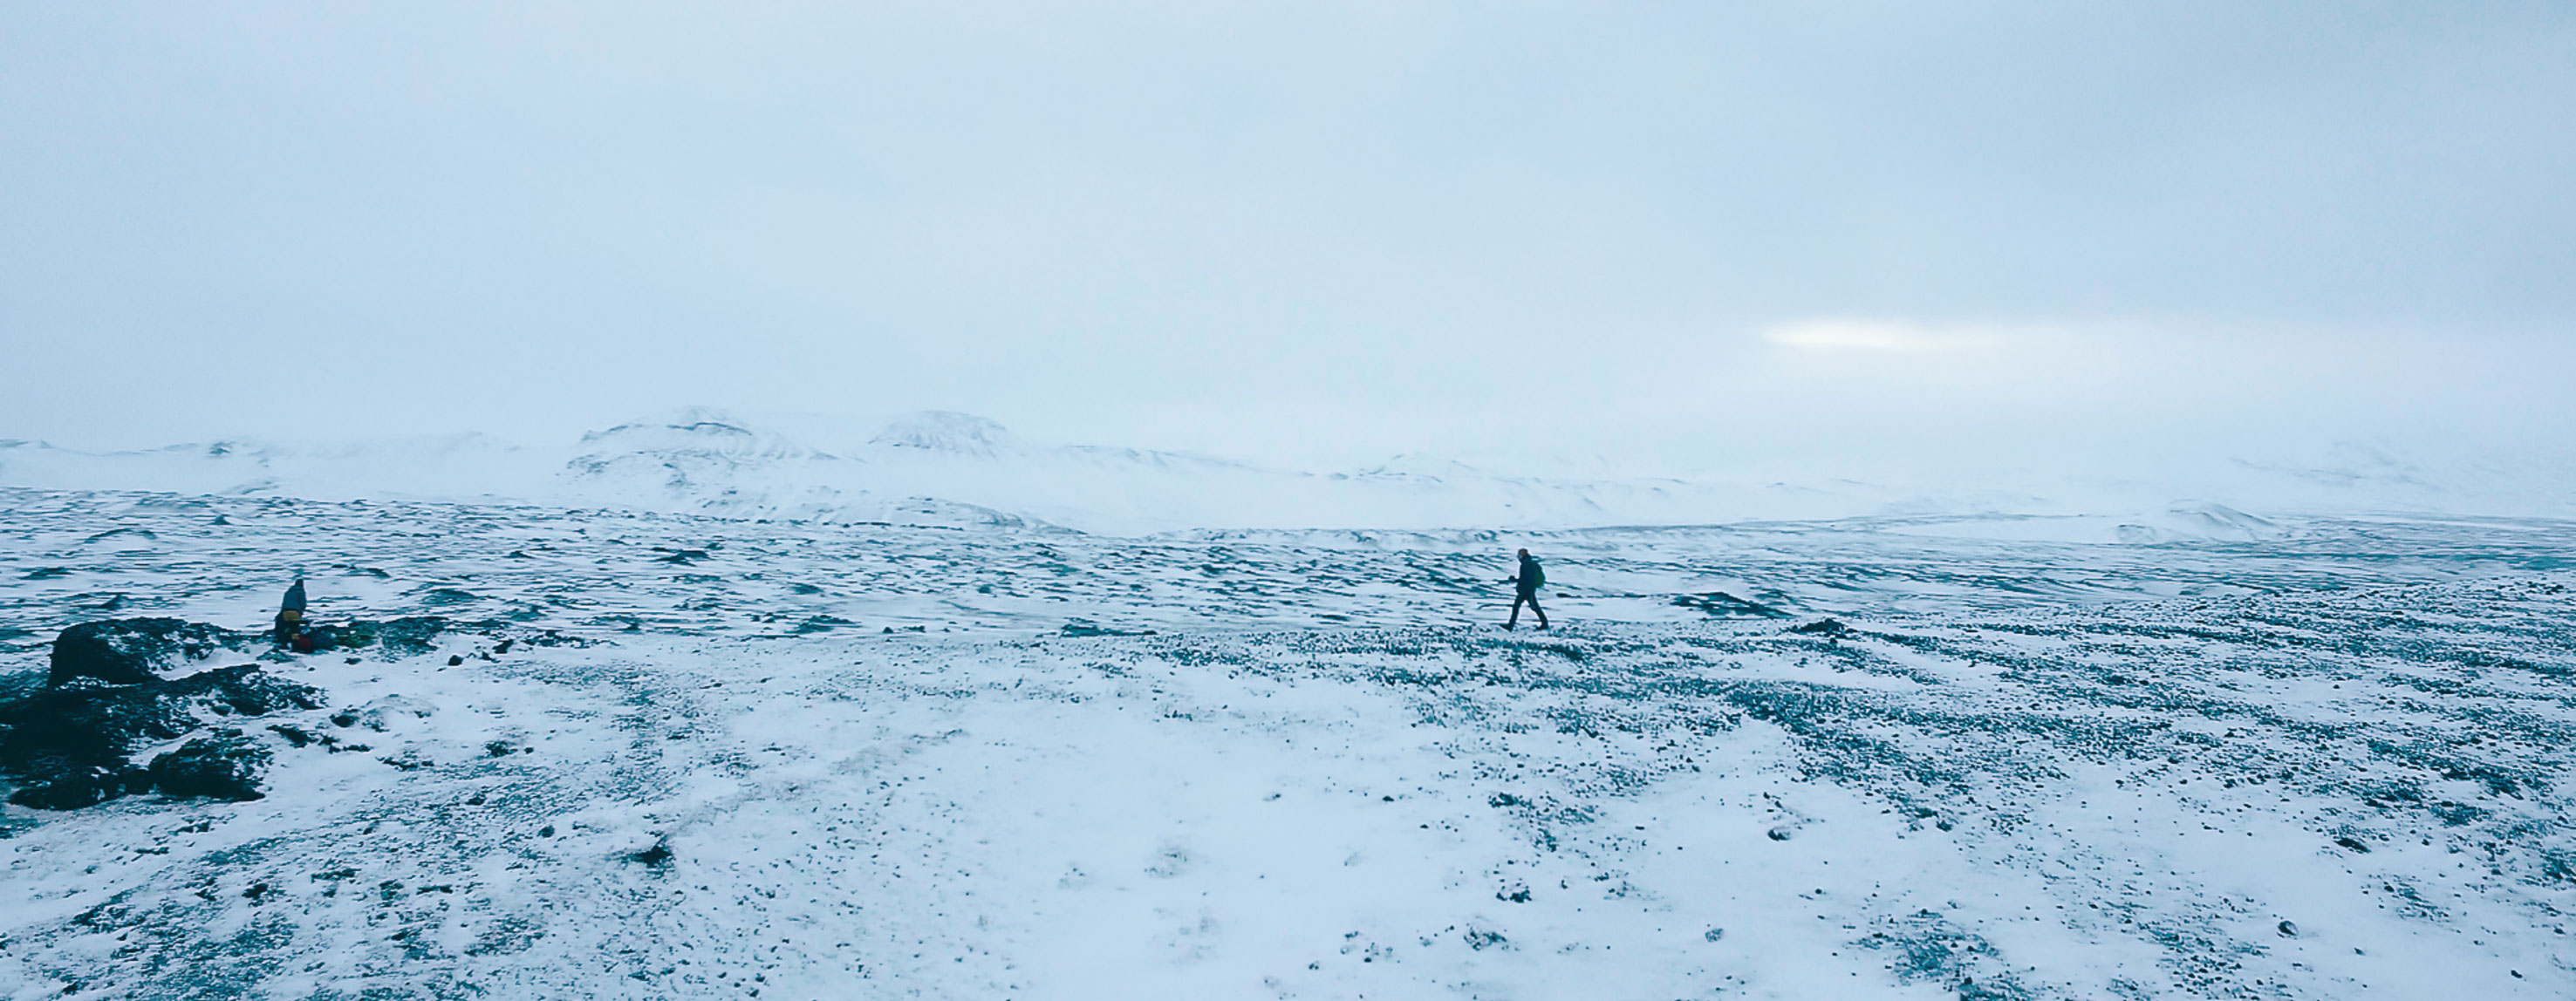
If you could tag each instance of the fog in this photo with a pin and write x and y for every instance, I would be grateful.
(1657, 238)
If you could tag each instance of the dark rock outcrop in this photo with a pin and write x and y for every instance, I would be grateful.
(224, 764)
(83, 785)
(1086, 627)
(70, 743)
(1823, 627)
(87, 723)
(131, 651)
(1719, 604)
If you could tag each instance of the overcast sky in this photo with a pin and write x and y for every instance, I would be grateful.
(1674, 234)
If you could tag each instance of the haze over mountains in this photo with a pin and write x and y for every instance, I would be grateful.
(947, 468)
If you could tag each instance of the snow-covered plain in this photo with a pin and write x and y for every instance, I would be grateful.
(2276, 757)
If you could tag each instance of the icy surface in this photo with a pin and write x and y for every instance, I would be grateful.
(2042, 758)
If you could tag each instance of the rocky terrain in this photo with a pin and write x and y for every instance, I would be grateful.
(585, 754)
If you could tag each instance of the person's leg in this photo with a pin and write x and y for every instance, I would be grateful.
(1516, 612)
(1541, 612)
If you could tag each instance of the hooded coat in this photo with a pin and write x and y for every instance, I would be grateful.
(1531, 578)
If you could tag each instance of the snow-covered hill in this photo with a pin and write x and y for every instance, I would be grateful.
(966, 471)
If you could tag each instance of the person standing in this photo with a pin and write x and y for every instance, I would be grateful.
(290, 614)
(1531, 577)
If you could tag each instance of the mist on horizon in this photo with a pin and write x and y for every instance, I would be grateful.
(1946, 241)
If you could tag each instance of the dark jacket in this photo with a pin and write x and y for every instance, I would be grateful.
(294, 598)
(1531, 578)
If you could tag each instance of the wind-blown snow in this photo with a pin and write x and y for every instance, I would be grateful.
(2323, 759)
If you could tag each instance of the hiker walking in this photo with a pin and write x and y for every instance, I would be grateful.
(1529, 580)
(290, 614)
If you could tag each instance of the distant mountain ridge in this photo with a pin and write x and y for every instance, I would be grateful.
(965, 471)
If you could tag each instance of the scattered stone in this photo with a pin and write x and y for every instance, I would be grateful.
(2287, 929)
(410, 636)
(1714, 934)
(1783, 833)
(1822, 627)
(225, 764)
(455, 659)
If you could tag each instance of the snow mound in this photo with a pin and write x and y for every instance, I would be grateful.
(947, 431)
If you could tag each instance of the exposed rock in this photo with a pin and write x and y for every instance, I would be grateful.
(243, 689)
(60, 730)
(130, 651)
(821, 623)
(71, 742)
(658, 856)
(404, 637)
(225, 764)
(1719, 604)
(1086, 627)
(84, 785)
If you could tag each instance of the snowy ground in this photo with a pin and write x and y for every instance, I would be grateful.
(2322, 762)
